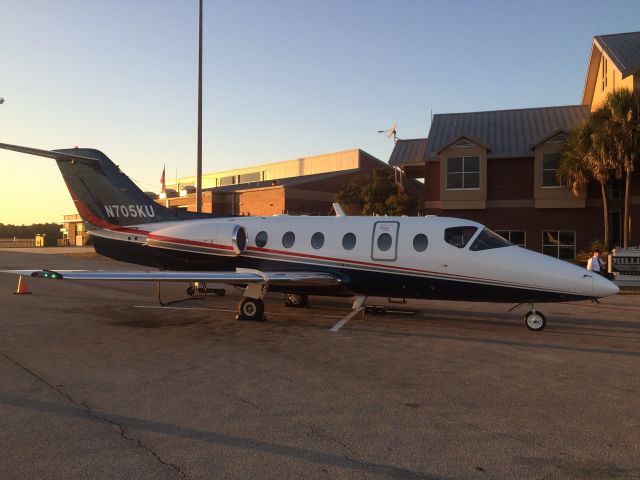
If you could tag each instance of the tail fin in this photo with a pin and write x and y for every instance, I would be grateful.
(103, 195)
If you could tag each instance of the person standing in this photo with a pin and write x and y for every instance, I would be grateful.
(594, 264)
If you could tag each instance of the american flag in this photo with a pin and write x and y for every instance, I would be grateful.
(162, 182)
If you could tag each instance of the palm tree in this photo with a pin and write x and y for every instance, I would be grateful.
(583, 161)
(619, 132)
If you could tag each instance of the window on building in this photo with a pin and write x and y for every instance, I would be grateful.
(559, 243)
(420, 242)
(459, 236)
(614, 189)
(249, 177)
(516, 237)
(604, 72)
(288, 239)
(261, 239)
(463, 173)
(230, 180)
(317, 240)
(550, 163)
(349, 241)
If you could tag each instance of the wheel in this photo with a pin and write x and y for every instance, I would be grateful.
(191, 290)
(251, 309)
(535, 321)
(296, 300)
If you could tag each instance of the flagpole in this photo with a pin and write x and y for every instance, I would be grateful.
(199, 147)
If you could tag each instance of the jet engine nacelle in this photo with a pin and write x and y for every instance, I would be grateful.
(209, 237)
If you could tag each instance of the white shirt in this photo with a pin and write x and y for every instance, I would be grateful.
(594, 264)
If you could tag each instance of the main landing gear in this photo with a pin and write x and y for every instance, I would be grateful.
(296, 300)
(251, 307)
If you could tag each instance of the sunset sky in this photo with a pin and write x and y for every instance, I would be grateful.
(282, 79)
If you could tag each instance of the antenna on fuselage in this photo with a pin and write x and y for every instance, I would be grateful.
(338, 209)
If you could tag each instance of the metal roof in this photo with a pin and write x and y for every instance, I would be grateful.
(407, 152)
(505, 132)
(623, 49)
(282, 182)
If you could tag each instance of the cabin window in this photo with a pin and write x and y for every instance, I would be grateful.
(349, 241)
(550, 163)
(516, 237)
(459, 236)
(559, 243)
(463, 173)
(384, 242)
(488, 240)
(261, 239)
(288, 239)
(420, 242)
(317, 240)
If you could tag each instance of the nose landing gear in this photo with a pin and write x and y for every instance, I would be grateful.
(535, 321)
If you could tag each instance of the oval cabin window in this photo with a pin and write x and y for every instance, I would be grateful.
(261, 239)
(384, 242)
(420, 242)
(349, 241)
(288, 239)
(317, 240)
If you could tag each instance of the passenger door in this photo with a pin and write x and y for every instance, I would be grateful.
(385, 241)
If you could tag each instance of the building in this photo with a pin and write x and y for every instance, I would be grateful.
(302, 186)
(614, 63)
(498, 167)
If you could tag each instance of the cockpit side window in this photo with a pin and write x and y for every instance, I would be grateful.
(459, 236)
(488, 240)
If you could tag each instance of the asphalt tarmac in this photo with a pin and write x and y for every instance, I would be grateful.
(96, 381)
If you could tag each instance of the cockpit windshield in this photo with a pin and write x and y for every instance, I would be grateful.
(488, 240)
(459, 236)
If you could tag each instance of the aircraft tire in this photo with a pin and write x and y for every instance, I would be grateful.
(535, 321)
(191, 290)
(296, 300)
(251, 309)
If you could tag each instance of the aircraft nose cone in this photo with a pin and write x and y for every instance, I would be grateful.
(603, 287)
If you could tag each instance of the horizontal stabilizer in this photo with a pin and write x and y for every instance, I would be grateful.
(47, 153)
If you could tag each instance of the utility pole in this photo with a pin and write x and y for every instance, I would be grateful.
(199, 146)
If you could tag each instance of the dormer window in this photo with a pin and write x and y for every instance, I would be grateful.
(550, 162)
(463, 173)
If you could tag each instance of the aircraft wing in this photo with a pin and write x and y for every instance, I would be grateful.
(239, 277)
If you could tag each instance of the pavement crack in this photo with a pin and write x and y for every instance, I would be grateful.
(94, 415)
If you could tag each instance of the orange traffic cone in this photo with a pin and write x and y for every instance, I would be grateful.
(22, 287)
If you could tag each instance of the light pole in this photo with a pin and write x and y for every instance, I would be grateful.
(199, 145)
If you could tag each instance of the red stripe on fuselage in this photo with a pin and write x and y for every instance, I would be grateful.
(188, 242)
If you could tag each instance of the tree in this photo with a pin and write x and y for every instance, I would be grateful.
(373, 194)
(620, 125)
(584, 158)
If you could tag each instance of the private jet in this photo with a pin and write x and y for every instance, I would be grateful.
(428, 257)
